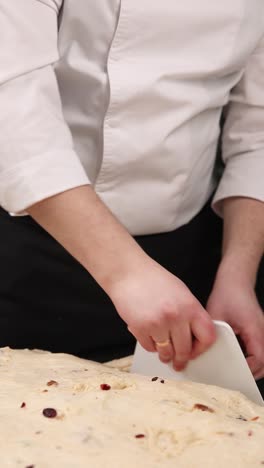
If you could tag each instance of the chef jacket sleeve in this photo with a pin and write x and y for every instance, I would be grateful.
(37, 157)
(243, 135)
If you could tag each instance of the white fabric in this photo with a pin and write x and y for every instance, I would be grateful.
(127, 96)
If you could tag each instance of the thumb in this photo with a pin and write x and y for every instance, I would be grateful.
(253, 348)
(254, 364)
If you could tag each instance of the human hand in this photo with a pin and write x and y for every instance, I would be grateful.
(158, 307)
(233, 300)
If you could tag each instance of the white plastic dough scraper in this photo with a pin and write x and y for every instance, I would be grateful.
(223, 365)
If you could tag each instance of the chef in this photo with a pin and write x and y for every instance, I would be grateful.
(110, 224)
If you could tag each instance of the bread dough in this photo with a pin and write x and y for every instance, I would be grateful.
(123, 364)
(178, 424)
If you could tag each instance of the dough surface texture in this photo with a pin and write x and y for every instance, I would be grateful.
(107, 418)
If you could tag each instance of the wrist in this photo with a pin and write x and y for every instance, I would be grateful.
(236, 268)
(128, 265)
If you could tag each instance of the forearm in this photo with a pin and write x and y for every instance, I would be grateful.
(233, 298)
(155, 305)
(85, 227)
(243, 239)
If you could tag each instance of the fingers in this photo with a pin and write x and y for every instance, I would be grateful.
(164, 347)
(256, 367)
(204, 334)
(260, 374)
(146, 342)
(253, 341)
(182, 348)
(181, 337)
(254, 364)
(172, 336)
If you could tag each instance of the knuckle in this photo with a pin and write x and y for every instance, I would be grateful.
(148, 347)
(170, 312)
(152, 324)
(190, 308)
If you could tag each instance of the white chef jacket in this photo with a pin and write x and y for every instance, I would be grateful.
(126, 95)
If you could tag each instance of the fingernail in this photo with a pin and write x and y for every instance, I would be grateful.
(165, 359)
(179, 366)
(181, 359)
